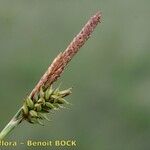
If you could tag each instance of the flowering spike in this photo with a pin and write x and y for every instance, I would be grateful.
(60, 62)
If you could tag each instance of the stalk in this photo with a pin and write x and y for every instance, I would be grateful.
(14, 122)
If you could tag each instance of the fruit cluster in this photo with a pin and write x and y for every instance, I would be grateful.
(34, 110)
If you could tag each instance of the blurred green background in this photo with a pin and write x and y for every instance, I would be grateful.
(110, 76)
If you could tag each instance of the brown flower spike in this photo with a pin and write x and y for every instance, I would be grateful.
(60, 62)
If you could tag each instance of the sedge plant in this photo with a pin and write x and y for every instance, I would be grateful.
(44, 98)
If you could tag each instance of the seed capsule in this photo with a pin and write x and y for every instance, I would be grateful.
(55, 97)
(60, 106)
(62, 101)
(33, 113)
(25, 109)
(38, 107)
(49, 105)
(41, 93)
(36, 97)
(33, 120)
(48, 93)
(29, 103)
(65, 92)
(43, 116)
(41, 101)
(56, 105)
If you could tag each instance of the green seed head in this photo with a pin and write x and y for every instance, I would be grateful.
(35, 109)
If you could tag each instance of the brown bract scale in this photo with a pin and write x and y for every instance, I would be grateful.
(60, 62)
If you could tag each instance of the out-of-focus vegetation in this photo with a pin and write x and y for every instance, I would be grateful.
(110, 76)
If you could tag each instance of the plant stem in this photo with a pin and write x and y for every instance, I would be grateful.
(15, 121)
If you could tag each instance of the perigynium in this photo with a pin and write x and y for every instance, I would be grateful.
(44, 99)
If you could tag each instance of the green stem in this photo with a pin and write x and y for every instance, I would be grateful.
(15, 121)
